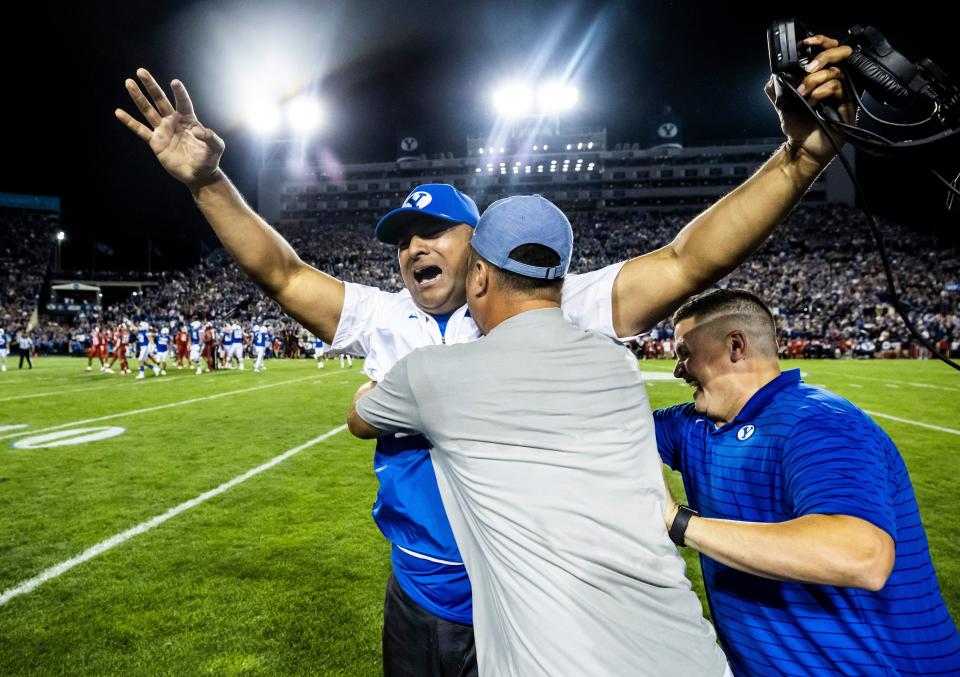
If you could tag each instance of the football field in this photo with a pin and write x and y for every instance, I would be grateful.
(220, 524)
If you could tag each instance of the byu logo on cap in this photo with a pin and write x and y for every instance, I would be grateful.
(419, 199)
(745, 432)
(409, 143)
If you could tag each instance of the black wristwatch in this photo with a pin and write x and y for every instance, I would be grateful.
(680, 522)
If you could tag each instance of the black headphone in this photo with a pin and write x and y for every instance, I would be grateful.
(897, 83)
(889, 77)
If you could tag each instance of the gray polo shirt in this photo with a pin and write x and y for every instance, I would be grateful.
(544, 450)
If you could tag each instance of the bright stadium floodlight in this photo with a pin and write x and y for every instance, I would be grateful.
(557, 97)
(264, 118)
(513, 99)
(60, 236)
(305, 115)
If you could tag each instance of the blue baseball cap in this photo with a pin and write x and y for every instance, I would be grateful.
(439, 201)
(519, 220)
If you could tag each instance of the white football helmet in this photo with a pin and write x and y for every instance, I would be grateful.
(164, 331)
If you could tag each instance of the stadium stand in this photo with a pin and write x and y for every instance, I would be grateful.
(820, 272)
(25, 256)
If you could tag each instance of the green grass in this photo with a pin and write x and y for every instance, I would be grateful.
(284, 573)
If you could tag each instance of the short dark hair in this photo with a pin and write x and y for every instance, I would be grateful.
(730, 302)
(532, 255)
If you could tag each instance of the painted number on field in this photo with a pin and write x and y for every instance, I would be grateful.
(63, 438)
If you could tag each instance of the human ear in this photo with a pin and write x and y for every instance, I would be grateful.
(481, 276)
(737, 345)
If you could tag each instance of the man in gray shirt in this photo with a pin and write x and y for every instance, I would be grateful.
(543, 446)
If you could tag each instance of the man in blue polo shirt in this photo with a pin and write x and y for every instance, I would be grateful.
(814, 557)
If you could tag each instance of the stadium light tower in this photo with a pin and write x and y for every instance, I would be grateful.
(60, 238)
(554, 97)
(264, 118)
(513, 99)
(305, 115)
(557, 97)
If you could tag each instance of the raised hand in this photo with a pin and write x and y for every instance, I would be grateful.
(185, 148)
(824, 82)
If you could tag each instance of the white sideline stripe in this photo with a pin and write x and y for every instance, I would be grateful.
(916, 423)
(60, 392)
(158, 407)
(915, 384)
(113, 541)
(75, 389)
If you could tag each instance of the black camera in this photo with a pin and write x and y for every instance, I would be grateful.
(920, 95)
(788, 56)
(913, 116)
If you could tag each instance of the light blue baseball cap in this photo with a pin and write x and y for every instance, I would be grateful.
(519, 220)
(438, 201)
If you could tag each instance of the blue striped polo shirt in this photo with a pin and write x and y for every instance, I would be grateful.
(797, 450)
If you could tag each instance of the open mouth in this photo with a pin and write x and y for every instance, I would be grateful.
(427, 276)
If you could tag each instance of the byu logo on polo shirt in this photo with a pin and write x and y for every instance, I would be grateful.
(745, 432)
(419, 199)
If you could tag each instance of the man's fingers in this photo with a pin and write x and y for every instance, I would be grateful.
(821, 77)
(184, 104)
(134, 126)
(144, 106)
(160, 99)
(827, 91)
(770, 88)
(820, 40)
(829, 56)
(208, 136)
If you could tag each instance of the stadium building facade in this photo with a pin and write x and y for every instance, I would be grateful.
(572, 167)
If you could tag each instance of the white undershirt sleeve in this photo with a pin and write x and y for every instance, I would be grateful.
(587, 300)
(361, 305)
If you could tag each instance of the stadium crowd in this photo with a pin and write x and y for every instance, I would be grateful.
(25, 250)
(820, 270)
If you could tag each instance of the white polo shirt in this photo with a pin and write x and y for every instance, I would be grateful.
(385, 326)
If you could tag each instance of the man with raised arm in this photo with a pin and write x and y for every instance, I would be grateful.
(428, 611)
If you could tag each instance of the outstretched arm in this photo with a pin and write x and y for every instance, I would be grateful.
(650, 287)
(190, 153)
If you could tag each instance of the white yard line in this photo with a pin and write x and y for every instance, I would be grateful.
(113, 541)
(118, 382)
(159, 407)
(916, 423)
(915, 384)
(16, 426)
(63, 391)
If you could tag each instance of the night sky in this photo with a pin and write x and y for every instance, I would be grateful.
(381, 67)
